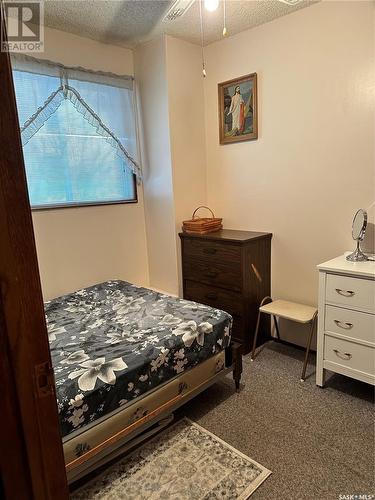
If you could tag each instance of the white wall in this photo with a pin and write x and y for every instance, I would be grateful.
(313, 164)
(168, 75)
(187, 132)
(152, 87)
(81, 246)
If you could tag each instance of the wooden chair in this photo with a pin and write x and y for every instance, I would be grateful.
(291, 311)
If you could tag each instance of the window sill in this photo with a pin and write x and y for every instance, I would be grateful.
(58, 206)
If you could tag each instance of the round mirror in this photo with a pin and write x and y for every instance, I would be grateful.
(358, 233)
(359, 225)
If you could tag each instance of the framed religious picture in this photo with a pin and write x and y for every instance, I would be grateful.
(238, 114)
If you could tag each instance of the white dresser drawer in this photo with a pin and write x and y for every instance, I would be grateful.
(346, 320)
(355, 324)
(354, 356)
(350, 292)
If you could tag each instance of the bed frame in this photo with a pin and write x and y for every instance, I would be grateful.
(151, 423)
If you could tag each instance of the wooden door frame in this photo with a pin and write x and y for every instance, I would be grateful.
(31, 458)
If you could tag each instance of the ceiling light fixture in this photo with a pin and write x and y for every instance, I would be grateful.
(211, 5)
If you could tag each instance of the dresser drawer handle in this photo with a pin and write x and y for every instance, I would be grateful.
(341, 324)
(343, 355)
(210, 274)
(210, 251)
(345, 293)
(211, 296)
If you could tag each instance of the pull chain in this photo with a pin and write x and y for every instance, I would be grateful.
(225, 32)
(202, 39)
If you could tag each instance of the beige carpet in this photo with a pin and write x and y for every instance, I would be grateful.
(319, 443)
(183, 462)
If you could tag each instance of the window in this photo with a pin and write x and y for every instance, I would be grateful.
(68, 162)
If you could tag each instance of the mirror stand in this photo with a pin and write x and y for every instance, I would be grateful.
(357, 255)
(358, 233)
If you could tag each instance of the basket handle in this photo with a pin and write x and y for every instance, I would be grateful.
(202, 206)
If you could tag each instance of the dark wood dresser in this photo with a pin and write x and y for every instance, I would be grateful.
(230, 270)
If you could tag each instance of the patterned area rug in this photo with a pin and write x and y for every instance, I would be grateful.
(184, 462)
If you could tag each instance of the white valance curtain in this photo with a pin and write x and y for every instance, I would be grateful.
(82, 88)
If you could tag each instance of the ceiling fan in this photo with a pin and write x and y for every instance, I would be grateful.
(180, 7)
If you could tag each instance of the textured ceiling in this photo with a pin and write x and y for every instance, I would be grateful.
(240, 15)
(129, 22)
(118, 22)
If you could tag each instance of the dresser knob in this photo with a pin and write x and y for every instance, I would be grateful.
(345, 293)
(343, 355)
(341, 324)
(211, 295)
(211, 274)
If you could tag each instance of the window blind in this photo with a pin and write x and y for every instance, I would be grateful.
(71, 159)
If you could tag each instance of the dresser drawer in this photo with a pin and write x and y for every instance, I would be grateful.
(212, 252)
(212, 273)
(355, 324)
(350, 292)
(226, 300)
(349, 354)
(230, 270)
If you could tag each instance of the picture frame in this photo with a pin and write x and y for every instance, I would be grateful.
(238, 116)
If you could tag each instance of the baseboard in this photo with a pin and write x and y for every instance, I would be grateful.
(291, 344)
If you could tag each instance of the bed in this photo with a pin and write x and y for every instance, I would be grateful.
(124, 357)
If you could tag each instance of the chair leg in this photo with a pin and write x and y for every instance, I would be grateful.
(313, 321)
(255, 337)
(276, 326)
(266, 300)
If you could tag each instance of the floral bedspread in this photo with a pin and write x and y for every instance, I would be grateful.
(114, 341)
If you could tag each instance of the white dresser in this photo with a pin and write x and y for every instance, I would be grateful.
(346, 320)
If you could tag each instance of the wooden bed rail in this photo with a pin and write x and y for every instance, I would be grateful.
(123, 433)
